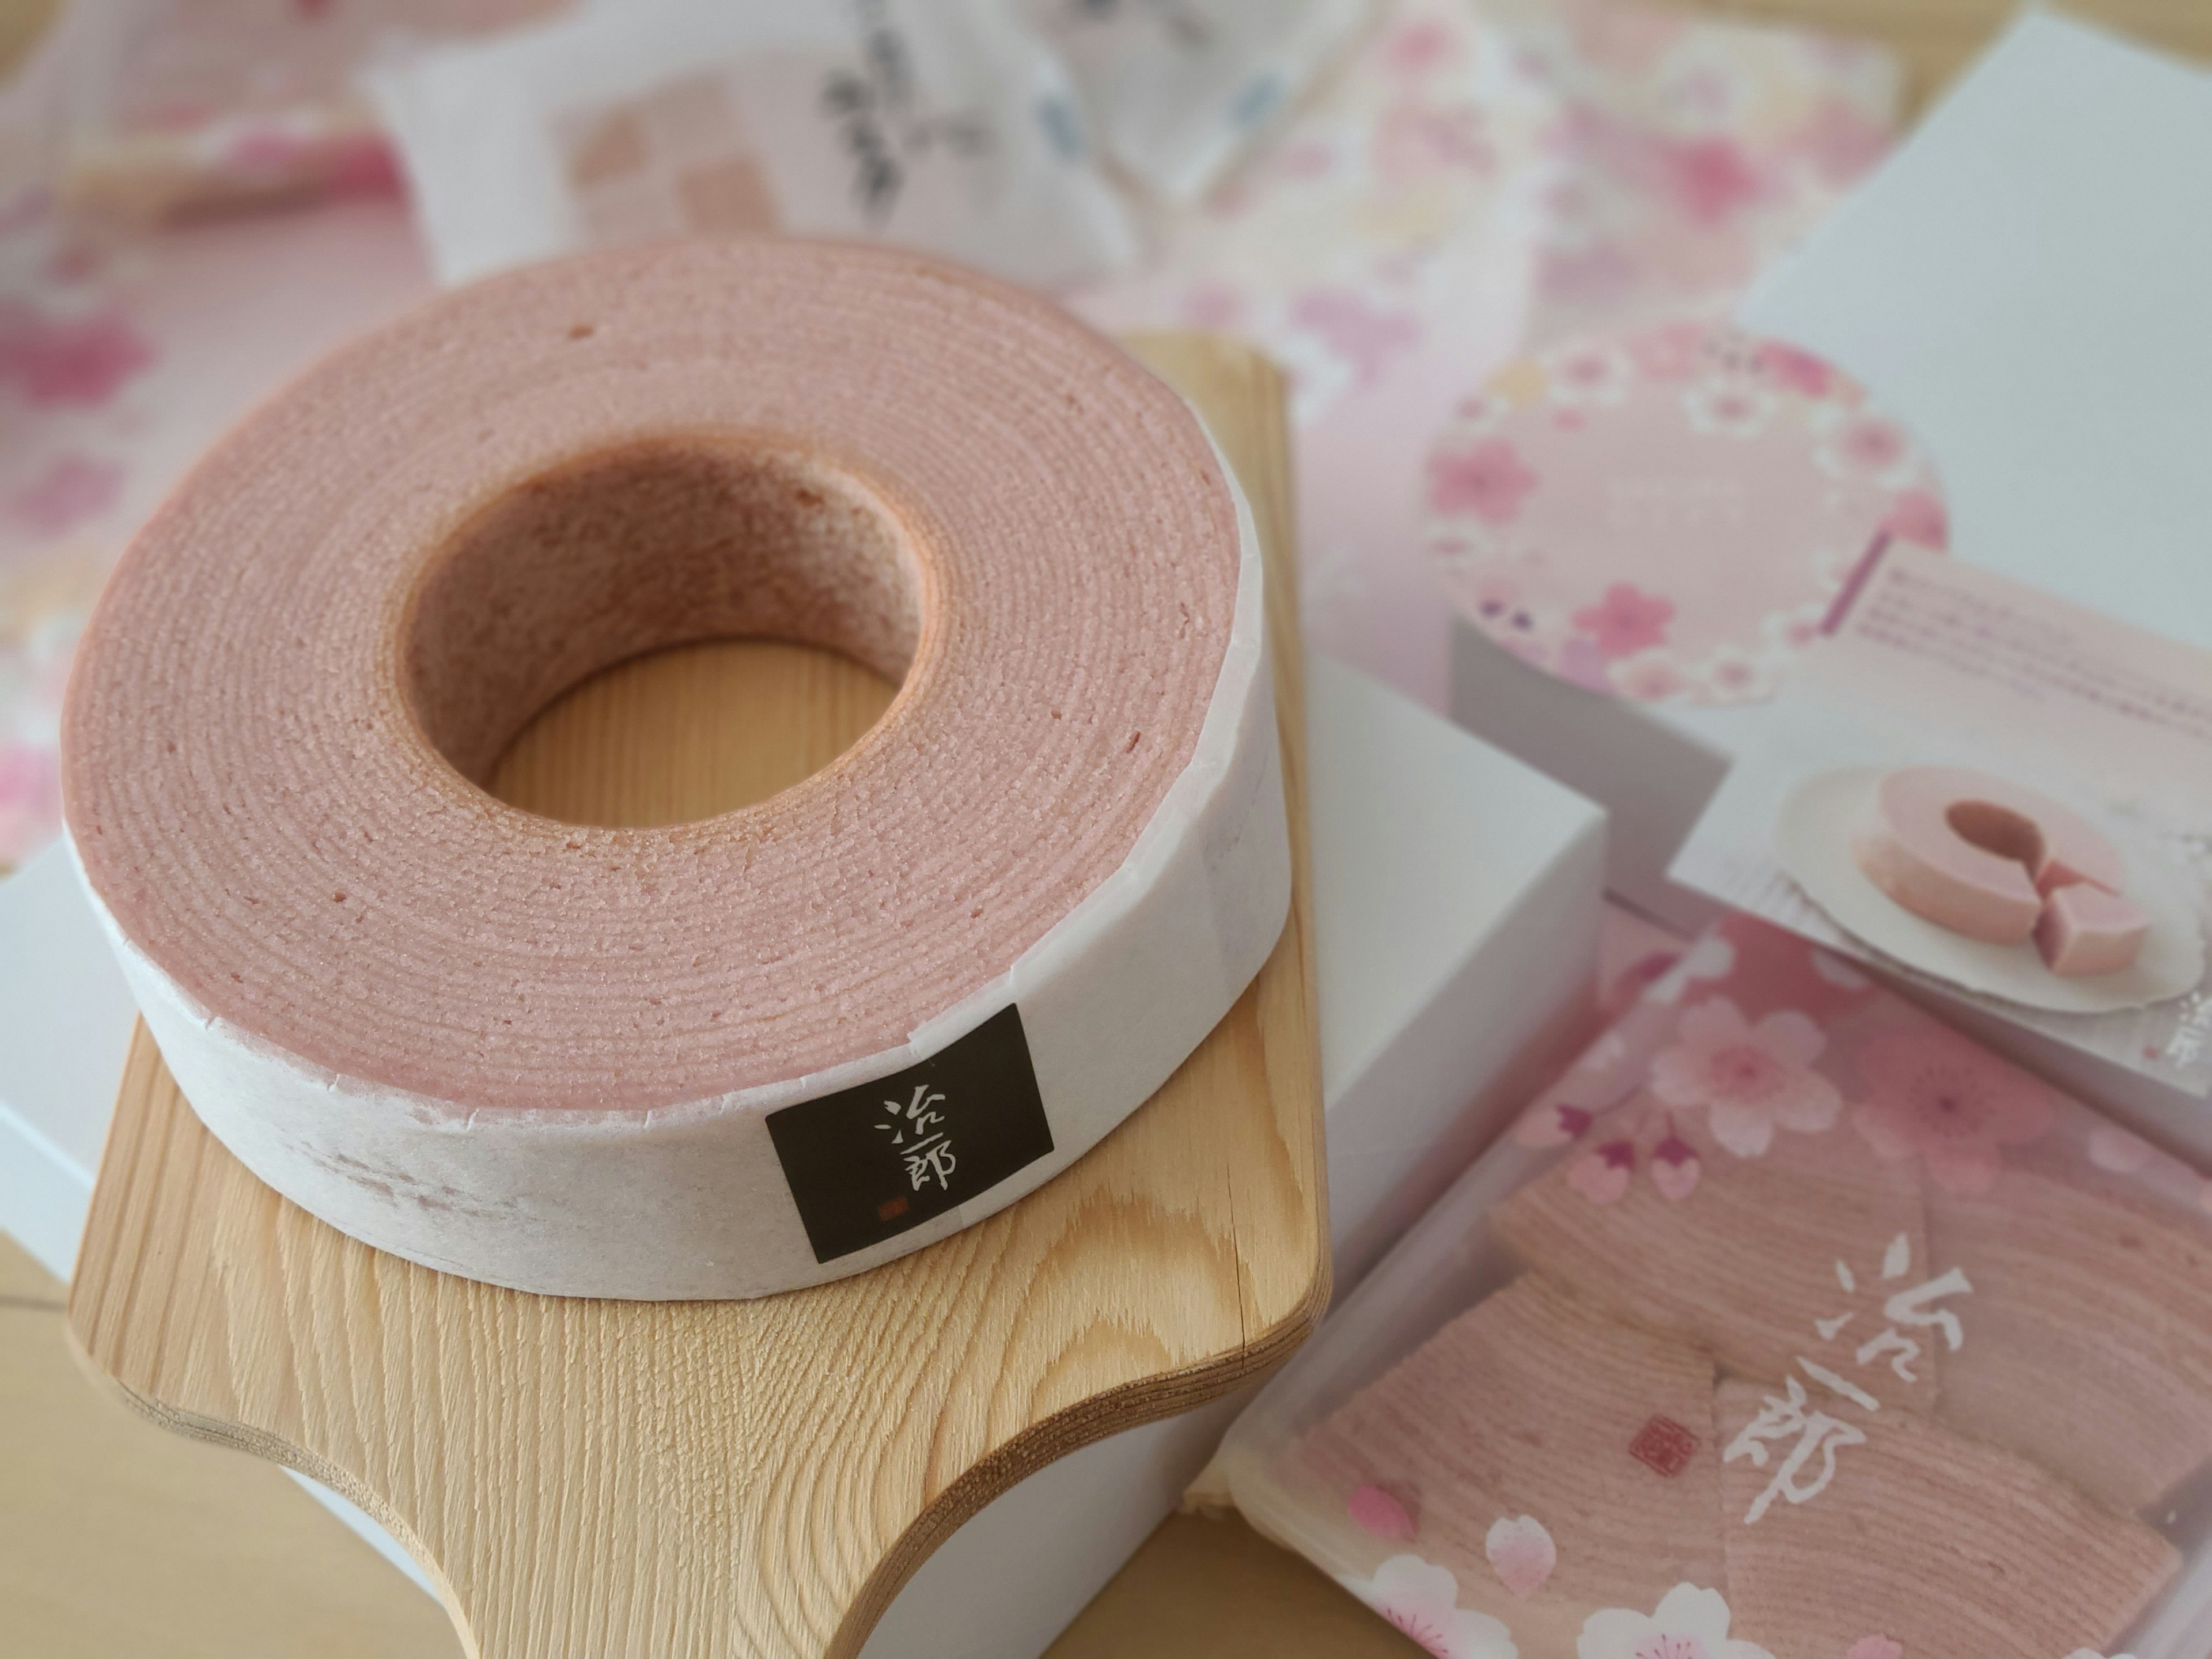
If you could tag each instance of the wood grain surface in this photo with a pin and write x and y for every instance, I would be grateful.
(118, 1539)
(1934, 40)
(587, 1477)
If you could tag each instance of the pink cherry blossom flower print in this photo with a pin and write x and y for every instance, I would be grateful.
(1418, 47)
(1590, 374)
(1421, 1600)
(1364, 336)
(1751, 1080)
(1626, 986)
(1840, 142)
(1479, 412)
(1735, 676)
(1689, 1623)
(1602, 1174)
(1554, 1123)
(1668, 354)
(1488, 480)
(1676, 1167)
(1917, 515)
(30, 800)
(1866, 447)
(1582, 662)
(1413, 141)
(1626, 620)
(1495, 596)
(69, 361)
(1934, 1095)
(1795, 370)
(1711, 179)
(1711, 957)
(74, 488)
(1651, 677)
(1772, 969)
(1376, 1511)
(1729, 409)
(1521, 1552)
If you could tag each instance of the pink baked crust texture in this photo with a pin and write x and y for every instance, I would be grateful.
(308, 661)
(1999, 862)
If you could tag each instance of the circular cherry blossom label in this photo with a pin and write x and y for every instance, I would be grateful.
(1668, 515)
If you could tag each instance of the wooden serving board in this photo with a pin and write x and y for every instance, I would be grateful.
(584, 1478)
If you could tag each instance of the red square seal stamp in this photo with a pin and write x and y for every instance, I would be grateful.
(1664, 1446)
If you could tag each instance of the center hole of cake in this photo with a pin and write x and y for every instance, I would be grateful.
(1999, 829)
(662, 633)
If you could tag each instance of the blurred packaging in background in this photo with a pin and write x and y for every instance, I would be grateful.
(1182, 89)
(939, 125)
(155, 109)
(1392, 197)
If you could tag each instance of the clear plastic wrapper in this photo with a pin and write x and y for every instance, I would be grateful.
(1182, 89)
(1787, 1322)
(942, 125)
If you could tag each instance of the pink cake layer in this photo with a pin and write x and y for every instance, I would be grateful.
(313, 654)
(1977, 854)
(2085, 930)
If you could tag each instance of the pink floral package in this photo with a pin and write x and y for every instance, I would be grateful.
(1788, 1324)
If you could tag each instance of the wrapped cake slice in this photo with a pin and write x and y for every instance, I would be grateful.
(1789, 1323)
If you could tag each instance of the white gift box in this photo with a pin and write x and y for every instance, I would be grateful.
(1457, 899)
(2026, 283)
(1652, 766)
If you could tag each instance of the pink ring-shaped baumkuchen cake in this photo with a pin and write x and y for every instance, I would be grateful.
(1999, 862)
(727, 1057)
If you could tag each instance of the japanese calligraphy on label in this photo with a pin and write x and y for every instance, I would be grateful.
(1812, 1433)
(870, 1163)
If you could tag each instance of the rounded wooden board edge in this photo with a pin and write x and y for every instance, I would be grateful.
(270, 1448)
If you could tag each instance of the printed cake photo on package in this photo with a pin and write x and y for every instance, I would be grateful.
(759, 1050)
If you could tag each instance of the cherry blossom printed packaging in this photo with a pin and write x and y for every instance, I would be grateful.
(1667, 515)
(1698, 150)
(1660, 521)
(1379, 248)
(1788, 1324)
(950, 128)
(1391, 246)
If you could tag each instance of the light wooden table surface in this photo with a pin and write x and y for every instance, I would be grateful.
(128, 1540)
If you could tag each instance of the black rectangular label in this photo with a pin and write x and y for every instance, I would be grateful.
(865, 1164)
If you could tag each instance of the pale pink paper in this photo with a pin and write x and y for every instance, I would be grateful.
(1667, 515)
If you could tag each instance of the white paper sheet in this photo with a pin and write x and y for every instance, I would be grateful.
(2028, 283)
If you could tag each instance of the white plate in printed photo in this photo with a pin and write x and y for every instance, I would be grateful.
(1812, 842)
